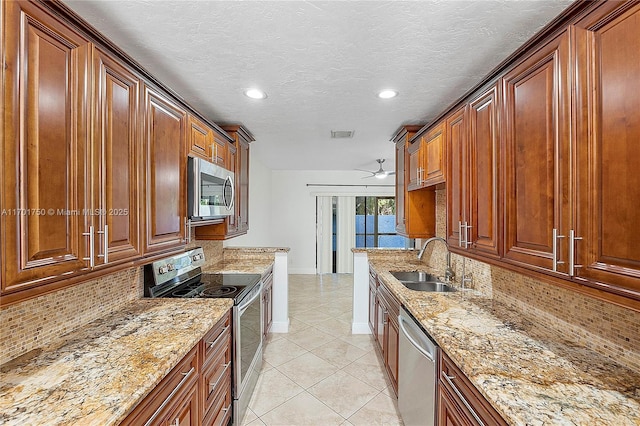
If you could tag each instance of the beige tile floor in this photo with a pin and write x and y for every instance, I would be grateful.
(319, 373)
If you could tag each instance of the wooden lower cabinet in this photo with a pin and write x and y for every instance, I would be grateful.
(198, 390)
(267, 301)
(459, 402)
(386, 331)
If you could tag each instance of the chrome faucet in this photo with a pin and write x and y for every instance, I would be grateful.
(449, 275)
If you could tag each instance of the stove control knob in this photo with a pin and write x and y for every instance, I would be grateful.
(163, 270)
(196, 257)
(170, 267)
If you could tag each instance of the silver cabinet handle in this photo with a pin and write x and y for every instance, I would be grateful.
(467, 235)
(572, 253)
(176, 422)
(224, 371)
(449, 380)
(554, 253)
(227, 409)
(215, 342)
(173, 392)
(187, 230)
(105, 244)
(460, 240)
(91, 258)
(214, 156)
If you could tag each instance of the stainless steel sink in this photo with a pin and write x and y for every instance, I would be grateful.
(422, 281)
(434, 286)
(417, 276)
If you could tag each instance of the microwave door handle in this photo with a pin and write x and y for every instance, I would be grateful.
(229, 182)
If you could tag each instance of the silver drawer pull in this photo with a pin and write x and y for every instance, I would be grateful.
(227, 408)
(173, 392)
(224, 371)
(212, 344)
(449, 380)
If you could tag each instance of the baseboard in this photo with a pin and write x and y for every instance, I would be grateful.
(360, 328)
(279, 327)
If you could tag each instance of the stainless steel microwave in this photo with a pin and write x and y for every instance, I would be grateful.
(210, 192)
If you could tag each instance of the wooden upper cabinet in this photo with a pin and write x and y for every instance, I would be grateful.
(232, 221)
(44, 147)
(457, 174)
(115, 161)
(484, 213)
(426, 158)
(200, 139)
(164, 172)
(536, 139)
(415, 210)
(242, 178)
(608, 150)
(433, 148)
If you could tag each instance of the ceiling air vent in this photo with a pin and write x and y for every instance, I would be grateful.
(341, 134)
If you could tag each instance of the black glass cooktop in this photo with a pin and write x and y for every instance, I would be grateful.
(233, 286)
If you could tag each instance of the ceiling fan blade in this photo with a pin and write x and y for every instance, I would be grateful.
(367, 177)
(366, 171)
(391, 173)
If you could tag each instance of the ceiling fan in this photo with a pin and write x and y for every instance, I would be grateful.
(380, 173)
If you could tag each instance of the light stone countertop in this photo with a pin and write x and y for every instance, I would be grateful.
(241, 266)
(530, 375)
(97, 375)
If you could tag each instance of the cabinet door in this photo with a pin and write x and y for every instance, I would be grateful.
(415, 166)
(200, 139)
(185, 412)
(392, 341)
(381, 319)
(483, 215)
(537, 96)
(218, 151)
(434, 155)
(372, 305)
(608, 208)
(115, 160)
(242, 176)
(165, 163)
(44, 148)
(457, 200)
(400, 187)
(449, 412)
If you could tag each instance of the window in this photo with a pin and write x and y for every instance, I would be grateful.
(376, 223)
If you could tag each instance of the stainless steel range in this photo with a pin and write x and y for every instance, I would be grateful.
(181, 276)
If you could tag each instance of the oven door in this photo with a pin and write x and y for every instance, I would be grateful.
(248, 349)
(211, 190)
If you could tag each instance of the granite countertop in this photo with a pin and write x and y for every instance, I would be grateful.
(241, 266)
(97, 375)
(250, 250)
(530, 375)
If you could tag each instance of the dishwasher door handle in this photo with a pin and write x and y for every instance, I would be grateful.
(401, 322)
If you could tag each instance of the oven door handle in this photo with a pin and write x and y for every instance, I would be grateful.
(245, 304)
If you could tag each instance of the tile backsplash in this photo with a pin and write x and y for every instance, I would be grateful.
(37, 322)
(608, 329)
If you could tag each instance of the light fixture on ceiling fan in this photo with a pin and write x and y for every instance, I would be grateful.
(380, 173)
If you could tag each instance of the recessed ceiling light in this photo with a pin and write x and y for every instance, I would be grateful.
(387, 94)
(255, 94)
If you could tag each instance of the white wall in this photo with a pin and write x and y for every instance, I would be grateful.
(293, 218)
(260, 206)
(282, 208)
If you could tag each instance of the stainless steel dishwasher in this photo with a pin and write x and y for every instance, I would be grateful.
(417, 375)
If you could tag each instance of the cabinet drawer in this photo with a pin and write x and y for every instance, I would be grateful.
(218, 337)
(389, 300)
(466, 395)
(182, 378)
(220, 411)
(215, 375)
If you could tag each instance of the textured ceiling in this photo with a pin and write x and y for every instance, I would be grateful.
(321, 64)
